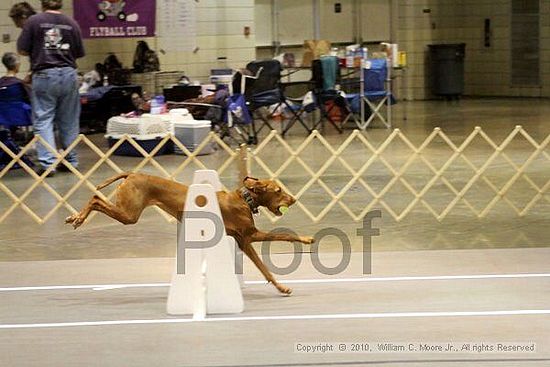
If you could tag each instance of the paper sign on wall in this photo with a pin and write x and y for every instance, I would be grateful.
(177, 25)
(115, 18)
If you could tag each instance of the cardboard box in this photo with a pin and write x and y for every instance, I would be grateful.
(314, 49)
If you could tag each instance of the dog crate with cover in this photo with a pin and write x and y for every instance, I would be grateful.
(192, 133)
(147, 131)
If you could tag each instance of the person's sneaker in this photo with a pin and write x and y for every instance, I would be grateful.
(40, 171)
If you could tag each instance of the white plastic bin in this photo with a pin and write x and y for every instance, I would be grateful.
(191, 133)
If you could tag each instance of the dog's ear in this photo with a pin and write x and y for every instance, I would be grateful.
(249, 182)
(254, 185)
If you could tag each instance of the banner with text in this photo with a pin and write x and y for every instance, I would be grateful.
(115, 18)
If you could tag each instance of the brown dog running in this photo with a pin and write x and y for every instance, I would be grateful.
(139, 191)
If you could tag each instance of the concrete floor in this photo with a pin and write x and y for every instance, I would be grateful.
(105, 252)
(37, 326)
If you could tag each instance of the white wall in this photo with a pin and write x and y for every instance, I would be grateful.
(220, 25)
(376, 20)
(295, 21)
(221, 22)
(337, 27)
(487, 69)
(263, 22)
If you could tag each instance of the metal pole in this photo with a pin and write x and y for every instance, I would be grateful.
(243, 162)
(316, 19)
(357, 22)
(362, 93)
(394, 21)
(275, 27)
(389, 92)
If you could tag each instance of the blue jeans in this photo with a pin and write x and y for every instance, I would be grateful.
(55, 99)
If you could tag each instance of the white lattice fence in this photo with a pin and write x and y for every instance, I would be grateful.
(437, 175)
(105, 158)
(316, 169)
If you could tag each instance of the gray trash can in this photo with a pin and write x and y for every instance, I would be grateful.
(447, 69)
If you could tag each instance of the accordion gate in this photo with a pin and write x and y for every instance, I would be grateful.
(247, 158)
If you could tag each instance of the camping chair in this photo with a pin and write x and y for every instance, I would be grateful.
(375, 93)
(14, 112)
(325, 75)
(301, 105)
(265, 92)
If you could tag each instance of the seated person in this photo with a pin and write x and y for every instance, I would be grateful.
(21, 93)
(15, 109)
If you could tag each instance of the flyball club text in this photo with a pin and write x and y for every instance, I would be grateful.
(117, 31)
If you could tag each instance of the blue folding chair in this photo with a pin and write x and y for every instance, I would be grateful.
(14, 112)
(375, 93)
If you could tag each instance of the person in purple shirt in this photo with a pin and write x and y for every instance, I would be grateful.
(53, 42)
(20, 13)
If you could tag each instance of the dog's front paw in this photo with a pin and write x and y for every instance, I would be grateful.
(78, 222)
(308, 240)
(284, 290)
(71, 219)
(75, 220)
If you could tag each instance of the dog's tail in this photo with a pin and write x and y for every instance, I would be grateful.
(113, 179)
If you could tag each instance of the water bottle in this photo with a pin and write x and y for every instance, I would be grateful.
(349, 59)
(157, 105)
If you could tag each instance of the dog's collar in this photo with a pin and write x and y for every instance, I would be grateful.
(249, 200)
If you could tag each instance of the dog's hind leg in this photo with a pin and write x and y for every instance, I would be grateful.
(124, 214)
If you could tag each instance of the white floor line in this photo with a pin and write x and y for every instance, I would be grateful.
(279, 318)
(101, 287)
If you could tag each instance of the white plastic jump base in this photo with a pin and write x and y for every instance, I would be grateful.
(208, 284)
(207, 176)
